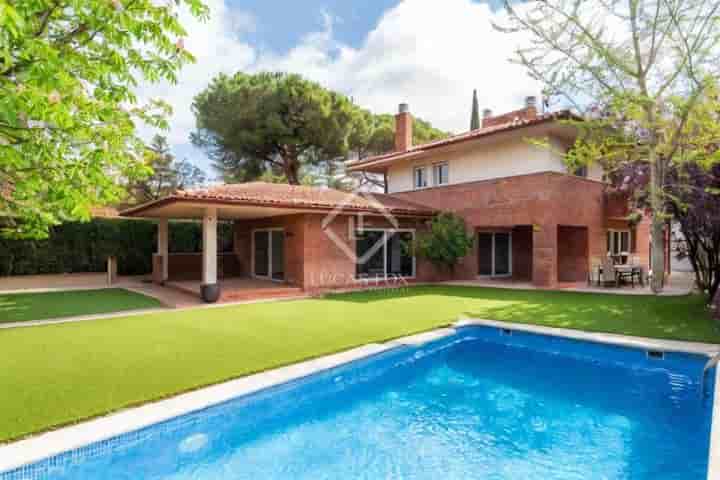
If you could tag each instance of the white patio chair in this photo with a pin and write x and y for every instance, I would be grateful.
(608, 273)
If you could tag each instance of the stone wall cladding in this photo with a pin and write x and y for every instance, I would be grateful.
(542, 201)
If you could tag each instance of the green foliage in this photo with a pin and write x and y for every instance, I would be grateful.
(85, 247)
(169, 174)
(446, 242)
(68, 112)
(285, 126)
(251, 123)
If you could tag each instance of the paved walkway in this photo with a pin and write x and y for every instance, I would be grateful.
(678, 284)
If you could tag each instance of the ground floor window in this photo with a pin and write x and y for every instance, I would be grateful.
(619, 244)
(384, 253)
(269, 254)
(494, 254)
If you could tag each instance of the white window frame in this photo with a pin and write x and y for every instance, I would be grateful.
(492, 253)
(424, 170)
(436, 169)
(270, 253)
(616, 241)
(384, 250)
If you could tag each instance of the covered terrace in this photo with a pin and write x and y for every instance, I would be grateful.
(287, 239)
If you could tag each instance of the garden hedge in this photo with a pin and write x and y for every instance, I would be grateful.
(85, 247)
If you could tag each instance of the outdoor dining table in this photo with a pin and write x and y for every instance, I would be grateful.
(625, 271)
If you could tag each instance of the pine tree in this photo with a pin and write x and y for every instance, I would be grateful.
(475, 119)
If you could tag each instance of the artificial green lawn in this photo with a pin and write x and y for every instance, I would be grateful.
(57, 374)
(22, 307)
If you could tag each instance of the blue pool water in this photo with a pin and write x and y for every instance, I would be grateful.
(481, 404)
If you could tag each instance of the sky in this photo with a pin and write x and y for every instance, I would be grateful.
(428, 53)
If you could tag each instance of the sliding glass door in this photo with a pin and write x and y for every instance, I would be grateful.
(269, 254)
(384, 253)
(494, 251)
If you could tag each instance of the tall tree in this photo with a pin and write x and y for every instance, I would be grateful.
(691, 183)
(168, 174)
(68, 112)
(641, 61)
(251, 123)
(475, 116)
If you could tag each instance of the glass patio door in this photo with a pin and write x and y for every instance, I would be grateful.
(269, 254)
(494, 254)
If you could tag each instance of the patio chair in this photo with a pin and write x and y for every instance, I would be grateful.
(608, 276)
(594, 270)
(638, 270)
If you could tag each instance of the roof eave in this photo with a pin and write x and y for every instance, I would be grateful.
(388, 158)
(140, 209)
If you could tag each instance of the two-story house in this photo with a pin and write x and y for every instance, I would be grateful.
(532, 219)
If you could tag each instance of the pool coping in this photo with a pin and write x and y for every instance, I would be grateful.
(49, 444)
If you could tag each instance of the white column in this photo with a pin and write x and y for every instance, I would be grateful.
(163, 242)
(210, 247)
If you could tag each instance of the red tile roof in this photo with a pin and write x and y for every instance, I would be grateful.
(279, 195)
(463, 137)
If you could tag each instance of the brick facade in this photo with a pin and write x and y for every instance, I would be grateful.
(558, 221)
(188, 266)
(313, 260)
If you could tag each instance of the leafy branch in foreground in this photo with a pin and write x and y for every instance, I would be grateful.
(68, 111)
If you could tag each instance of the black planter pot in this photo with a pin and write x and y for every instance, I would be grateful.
(210, 293)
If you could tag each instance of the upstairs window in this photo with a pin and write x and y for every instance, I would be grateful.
(581, 171)
(440, 174)
(420, 177)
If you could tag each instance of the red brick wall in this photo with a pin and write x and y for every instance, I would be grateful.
(188, 266)
(312, 259)
(294, 243)
(543, 200)
(522, 253)
(573, 257)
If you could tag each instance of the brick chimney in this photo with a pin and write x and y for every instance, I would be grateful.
(403, 129)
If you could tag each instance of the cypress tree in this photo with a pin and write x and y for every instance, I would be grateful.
(475, 119)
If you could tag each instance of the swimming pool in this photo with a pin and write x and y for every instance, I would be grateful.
(484, 403)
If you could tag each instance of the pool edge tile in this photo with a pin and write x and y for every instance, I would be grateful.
(714, 461)
(707, 349)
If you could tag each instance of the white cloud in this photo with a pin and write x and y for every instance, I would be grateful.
(427, 53)
(218, 47)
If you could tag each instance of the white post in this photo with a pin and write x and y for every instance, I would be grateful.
(210, 247)
(163, 242)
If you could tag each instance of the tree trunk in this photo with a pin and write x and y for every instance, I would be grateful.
(291, 168)
(657, 230)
